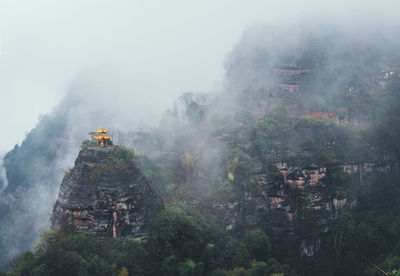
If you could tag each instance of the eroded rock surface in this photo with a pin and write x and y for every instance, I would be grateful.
(295, 206)
(105, 195)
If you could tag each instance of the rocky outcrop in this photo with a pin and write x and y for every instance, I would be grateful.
(300, 208)
(295, 206)
(105, 195)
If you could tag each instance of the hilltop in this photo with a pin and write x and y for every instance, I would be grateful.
(105, 195)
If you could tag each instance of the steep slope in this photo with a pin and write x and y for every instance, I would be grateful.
(106, 195)
(286, 148)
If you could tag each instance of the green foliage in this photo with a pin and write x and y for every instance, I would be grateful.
(309, 139)
(342, 233)
(87, 143)
(67, 174)
(187, 241)
(220, 272)
(177, 233)
(57, 254)
(154, 174)
(135, 240)
(275, 174)
(390, 264)
(120, 161)
(123, 155)
(124, 272)
(371, 229)
(25, 264)
(258, 245)
(242, 256)
(224, 184)
(258, 269)
(240, 164)
(195, 112)
(385, 130)
(169, 266)
(395, 272)
(40, 270)
(240, 271)
(244, 117)
(189, 268)
(340, 184)
(47, 238)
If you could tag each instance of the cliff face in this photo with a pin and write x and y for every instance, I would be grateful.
(105, 195)
(297, 206)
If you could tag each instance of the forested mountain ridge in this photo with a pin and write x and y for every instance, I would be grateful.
(300, 147)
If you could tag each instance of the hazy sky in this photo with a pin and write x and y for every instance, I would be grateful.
(140, 54)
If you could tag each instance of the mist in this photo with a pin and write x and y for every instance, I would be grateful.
(139, 51)
(125, 66)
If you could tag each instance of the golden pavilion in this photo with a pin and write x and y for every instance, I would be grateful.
(102, 139)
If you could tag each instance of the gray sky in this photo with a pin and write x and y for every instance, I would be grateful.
(144, 53)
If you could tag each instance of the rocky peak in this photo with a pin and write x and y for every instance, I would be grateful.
(106, 195)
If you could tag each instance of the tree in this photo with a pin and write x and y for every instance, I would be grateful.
(241, 257)
(177, 233)
(258, 245)
(240, 164)
(189, 268)
(87, 143)
(40, 270)
(258, 269)
(342, 233)
(195, 112)
(124, 272)
(386, 128)
(25, 263)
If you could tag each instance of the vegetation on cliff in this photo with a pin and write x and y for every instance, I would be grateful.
(184, 242)
(269, 158)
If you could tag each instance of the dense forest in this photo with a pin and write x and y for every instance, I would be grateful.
(291, 170)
